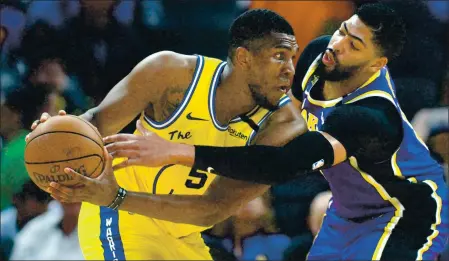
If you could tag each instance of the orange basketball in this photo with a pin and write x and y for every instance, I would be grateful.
(60, 142)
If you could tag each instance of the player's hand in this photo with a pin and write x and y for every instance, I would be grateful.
(44, 117)
(146, 150)
(99, 191)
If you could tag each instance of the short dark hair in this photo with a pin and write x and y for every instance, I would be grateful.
(256, 24)
(387, 26)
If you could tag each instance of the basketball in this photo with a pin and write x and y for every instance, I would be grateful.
(61, 142)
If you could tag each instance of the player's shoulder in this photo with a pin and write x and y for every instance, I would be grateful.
(169, 65)
(170, 60)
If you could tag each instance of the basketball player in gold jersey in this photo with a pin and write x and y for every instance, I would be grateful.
(194, 100)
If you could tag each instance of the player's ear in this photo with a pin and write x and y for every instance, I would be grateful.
(378, 64)
(242, 57)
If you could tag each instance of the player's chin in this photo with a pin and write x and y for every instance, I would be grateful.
(330, 68)
(272, 104)
(278, 95)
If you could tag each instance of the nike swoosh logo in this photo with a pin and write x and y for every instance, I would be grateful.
(190, 117)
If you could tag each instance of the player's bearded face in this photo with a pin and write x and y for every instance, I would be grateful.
(337, 73)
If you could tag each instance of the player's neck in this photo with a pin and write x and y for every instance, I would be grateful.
(232, 97)
(334, 90)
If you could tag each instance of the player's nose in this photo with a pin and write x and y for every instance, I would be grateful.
(337, 46)
(289, 70)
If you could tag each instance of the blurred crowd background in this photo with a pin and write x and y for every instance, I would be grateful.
(67, 54)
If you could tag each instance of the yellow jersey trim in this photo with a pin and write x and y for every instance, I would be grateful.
(433, 227)
(310, 72)
(375, 93)
(394, 164)
(387, 76)
(385, 196)
(371, 79)
(324, 104)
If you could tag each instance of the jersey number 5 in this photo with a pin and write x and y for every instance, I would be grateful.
(198, 180)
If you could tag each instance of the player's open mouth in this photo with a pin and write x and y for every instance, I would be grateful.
(328, 59)
(284, 89)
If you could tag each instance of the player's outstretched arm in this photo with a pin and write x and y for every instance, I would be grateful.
(261, 164)
(265, 164)
(369, 129)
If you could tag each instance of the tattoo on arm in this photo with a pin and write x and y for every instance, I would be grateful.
(170, 100)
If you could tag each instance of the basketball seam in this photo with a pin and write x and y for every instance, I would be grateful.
(65, 160)
(89, 124)
(71, 132)
(101, 161)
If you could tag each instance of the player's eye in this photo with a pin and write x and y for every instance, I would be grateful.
(354, 47)
(279, 56)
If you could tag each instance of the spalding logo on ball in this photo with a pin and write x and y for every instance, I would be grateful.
(63, 142)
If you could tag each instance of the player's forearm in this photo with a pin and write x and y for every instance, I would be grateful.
(189, 209)
(106, 126)
(182, 154)
(105, 123)
(265, 164)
